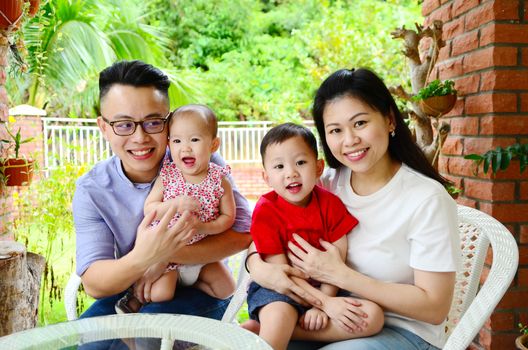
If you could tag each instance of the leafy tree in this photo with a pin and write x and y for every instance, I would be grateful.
(71, 41)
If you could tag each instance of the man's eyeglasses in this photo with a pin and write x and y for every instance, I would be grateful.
(128, 127)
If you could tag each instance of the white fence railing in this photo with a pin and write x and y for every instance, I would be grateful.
(79, 141)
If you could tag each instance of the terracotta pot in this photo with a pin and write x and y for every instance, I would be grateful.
(33, 7)
(12, 10)
(19, 172)
(438, 105)
(522, 342)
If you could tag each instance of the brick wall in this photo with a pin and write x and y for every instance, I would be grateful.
(486, 54)
(30, 126)
(248, 179)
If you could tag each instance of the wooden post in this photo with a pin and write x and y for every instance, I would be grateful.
(20, 275)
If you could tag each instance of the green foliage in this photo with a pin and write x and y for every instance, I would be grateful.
(45, 226)
(523, 329)
(500, 158)
(436, 88)
(70, 41)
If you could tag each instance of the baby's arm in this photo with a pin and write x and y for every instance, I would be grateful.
(227, 213)
(155, 201)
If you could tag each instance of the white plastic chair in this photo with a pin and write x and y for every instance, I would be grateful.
(469, 309)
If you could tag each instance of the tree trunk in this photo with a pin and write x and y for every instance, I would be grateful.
(20, 275)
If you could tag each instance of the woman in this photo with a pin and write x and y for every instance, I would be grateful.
(404, 252)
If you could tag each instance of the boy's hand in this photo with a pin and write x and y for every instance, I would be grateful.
(313, 320)
(346, 313)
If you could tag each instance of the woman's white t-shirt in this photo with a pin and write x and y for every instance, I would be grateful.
(410, 223)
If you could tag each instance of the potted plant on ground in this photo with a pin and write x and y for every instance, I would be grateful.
(17, 171)
(522, 341)
(437, 98)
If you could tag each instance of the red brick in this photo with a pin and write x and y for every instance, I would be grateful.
(490, 57)
(503, 125)
(464, 126)
(506, 9)
(502, 340)
(504, 33)
(468, 84)
(481, 145)
(450, 68)
(491, 103)
(464, 43)
(457, 110)
(459, 166)
(466, 201)
(462, 6)
(479, 16)
(429, 6)
(496, 191)
(442, 13)
(453, 146)
(524, 193)
(506, 212)
(524, 52)
(524, 102)
(453, 28)
(502, 321)
(445, 52)
(523, 258)
(504, 80)
(522, 277)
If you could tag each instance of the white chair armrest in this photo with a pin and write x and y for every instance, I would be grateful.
(70, 296)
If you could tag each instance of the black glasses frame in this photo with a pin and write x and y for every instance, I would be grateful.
(111, 123)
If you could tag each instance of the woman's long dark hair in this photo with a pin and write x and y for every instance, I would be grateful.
(366, 86)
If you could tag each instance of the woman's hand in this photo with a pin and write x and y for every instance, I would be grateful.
(143, 286)
(277, 277)
(319, 265)
(346, 313)
(313, 320)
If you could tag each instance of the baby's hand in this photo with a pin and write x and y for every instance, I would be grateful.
(187, 203)
(313, 320)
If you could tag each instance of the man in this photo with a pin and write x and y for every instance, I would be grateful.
(116, 248)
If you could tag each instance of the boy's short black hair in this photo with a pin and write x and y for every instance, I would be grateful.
(134, 73)
(286, 131)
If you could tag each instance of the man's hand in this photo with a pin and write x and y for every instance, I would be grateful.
(155, 244)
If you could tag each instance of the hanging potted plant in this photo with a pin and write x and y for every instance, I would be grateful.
(17, 171)
(437, 98)
(11, 14)
(522, 341)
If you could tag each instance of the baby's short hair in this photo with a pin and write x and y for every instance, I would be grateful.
(286, 131)
(201, 110)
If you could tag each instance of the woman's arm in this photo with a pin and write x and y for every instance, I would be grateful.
(428, 300)
(278, 278)
(226, 217)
